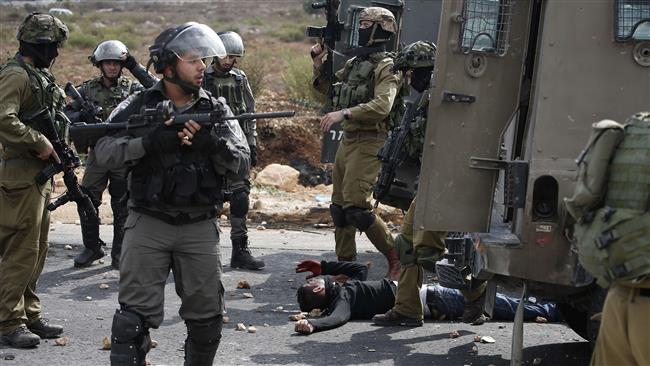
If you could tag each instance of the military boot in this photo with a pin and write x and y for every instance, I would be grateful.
(474, 310)
(21, 338)
(393, 318)
(394, 268)
(92, 246)
(242, 257)
(44, 329)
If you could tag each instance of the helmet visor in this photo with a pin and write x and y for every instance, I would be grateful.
(197, 42)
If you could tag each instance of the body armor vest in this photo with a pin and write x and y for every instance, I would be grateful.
(108, 98)
(46, 94)
(230, 86)
(612, 239)
(184, 178)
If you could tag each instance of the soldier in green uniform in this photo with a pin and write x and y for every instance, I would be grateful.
(419, 249)
(362, 100)
(416, 62)
(175, 193)
(26, 86)
(106, 91)
(611, 207)
(223, 79)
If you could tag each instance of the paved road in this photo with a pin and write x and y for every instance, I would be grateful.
(64, 291)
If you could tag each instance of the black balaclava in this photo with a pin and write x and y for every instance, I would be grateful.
(42, 53)
(367, 33)
(421, 78)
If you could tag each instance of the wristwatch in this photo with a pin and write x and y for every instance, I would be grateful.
(346, 113)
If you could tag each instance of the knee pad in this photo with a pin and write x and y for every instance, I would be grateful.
(338, 215)
(359, 217)
(204, 335)
(130, 340)
(404, 249)
(239, 203)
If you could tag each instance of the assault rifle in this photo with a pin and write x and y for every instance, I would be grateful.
(328, 35)
(84, 135)
(87, 110)
(393, 154)
(45, 123)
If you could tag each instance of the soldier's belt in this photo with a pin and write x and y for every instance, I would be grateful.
(180, 219)
(360, 135)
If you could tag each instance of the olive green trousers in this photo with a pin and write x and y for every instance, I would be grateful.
(24, 228)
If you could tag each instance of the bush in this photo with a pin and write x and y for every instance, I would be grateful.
(255, 66)
(82, 40)
(290, 32)
(297, 81)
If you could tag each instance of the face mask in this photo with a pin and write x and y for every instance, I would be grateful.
(421, 78)
(364, 36)
(41, 54)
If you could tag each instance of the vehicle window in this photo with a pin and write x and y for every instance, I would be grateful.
(632, 20)
(486, 24)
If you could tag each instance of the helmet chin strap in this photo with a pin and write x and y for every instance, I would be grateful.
(188, 88)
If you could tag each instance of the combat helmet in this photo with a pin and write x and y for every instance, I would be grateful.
(187, 41)
(40, 28)
(109, 50)
(232, 42)
(381, 16)
(416, 55)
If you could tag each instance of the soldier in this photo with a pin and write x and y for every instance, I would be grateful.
(26, 87)
(223, 79)
(362, 101)
(420, 249)
(175, 193)
(611, 206)
(105, 91)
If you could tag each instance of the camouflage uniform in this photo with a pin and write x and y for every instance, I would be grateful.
(24, 220)
(96, 179)
(611, 207)
(366, 90)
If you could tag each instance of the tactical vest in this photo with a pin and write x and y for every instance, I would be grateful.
(184, 178)
(359, 87)
(46, 93)
(231, 87)
(108, 98)
(613, 239)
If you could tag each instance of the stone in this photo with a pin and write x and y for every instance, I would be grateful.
(243, 284)
(279, 176)
(63, 341)
(240, 327)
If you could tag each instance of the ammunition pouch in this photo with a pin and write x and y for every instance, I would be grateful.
(613, 247)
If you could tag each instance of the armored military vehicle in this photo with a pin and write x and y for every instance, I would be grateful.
(516, 87)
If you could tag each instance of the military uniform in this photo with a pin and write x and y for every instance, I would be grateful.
(24, 219)
(96, 179)
(367, 88)
(234, 87)
(611, 205)
(171, 225)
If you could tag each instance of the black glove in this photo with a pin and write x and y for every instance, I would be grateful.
(253, 155)
(130, 62)
(209, 143)
(161, 140)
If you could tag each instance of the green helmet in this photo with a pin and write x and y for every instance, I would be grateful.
(42, 28)
(416, 55)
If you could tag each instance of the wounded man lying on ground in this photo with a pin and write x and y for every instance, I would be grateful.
(342, 293)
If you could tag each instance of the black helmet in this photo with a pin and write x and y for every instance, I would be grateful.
(187, 42)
